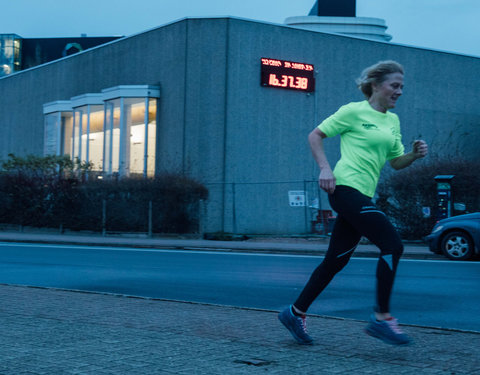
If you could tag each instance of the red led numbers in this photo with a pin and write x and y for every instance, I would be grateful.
(287, 75)
(291, 82)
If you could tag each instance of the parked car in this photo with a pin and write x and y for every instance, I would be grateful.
(457, 237)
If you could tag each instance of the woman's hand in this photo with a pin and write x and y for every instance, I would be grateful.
(327, 180)
(420, 149)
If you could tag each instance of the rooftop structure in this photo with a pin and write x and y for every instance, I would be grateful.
(339, 16)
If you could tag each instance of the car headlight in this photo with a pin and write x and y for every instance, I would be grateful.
(436, 229)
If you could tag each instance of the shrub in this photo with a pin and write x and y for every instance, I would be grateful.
(403, 194)
(55, 192)
(174, 198)
(33, 189)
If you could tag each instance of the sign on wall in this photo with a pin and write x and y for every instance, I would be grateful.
(296, 198)
(287, 75)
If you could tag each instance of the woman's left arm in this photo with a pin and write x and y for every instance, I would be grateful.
(420, 150)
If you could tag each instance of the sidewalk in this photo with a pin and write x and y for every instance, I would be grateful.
(54, 332)
(309, 246)
(57, 332)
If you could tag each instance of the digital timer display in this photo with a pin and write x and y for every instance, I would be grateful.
(287, 75)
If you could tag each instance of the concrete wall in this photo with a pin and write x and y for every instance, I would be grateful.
(267, 128)
(203, 155)
(440, 95)
(246, 142)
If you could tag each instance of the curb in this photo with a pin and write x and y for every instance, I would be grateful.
(262, 247)
(245, 308)
(234, 249)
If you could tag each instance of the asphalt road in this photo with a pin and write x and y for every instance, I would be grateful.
(428, 293)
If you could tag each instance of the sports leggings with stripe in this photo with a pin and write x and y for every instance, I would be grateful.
(357, 216)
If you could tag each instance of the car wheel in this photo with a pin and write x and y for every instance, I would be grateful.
(457, 246)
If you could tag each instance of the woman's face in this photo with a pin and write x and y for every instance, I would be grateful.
(386, 94)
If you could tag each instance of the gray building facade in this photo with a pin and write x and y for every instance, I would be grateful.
(214, 121)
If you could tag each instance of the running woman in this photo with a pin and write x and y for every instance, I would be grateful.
(369, 136)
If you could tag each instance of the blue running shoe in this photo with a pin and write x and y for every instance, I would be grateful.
(387, 331)
(296, 325)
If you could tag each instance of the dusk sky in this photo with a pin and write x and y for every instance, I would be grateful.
(448, 25)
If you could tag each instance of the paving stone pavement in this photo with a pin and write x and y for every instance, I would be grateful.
(57, 332)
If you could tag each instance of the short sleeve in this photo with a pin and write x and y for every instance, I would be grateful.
(338, 123)
(398, 149)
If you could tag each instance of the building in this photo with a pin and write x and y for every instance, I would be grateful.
(17, 53)
(229, 102)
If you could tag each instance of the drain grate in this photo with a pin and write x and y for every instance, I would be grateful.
(253, 362)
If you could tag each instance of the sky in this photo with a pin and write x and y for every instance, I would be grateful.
(446, 25)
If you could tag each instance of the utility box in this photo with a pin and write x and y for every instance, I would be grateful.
(444, 196)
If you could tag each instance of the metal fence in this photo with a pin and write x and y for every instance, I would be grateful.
(112, 216)
(279, 207)
(270, 208)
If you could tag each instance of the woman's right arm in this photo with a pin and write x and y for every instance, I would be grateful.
(326, 180)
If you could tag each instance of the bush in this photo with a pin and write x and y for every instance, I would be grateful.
(34, 189)
(55, 192)
(174, 198)
(403, 194)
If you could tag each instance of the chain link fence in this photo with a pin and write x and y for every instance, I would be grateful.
(246, 208)
(281, 208)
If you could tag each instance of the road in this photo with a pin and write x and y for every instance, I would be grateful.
(430, 293)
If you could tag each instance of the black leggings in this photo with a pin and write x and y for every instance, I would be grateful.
(357, 216)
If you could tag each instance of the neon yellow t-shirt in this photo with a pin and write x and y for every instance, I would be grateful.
(368, 138)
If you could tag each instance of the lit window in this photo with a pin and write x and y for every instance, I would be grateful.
(10, 57)
(130, 129)
(58, 128)
(87, 135)
(115, 131)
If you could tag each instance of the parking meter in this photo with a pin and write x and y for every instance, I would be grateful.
(444, 196)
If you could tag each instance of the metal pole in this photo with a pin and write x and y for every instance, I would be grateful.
(319, 209)
(150, 217)
(234, 213)
(104, 217)
(306, 205)
(201, 217)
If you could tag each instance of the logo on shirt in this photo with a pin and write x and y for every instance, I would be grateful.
(370, 126)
